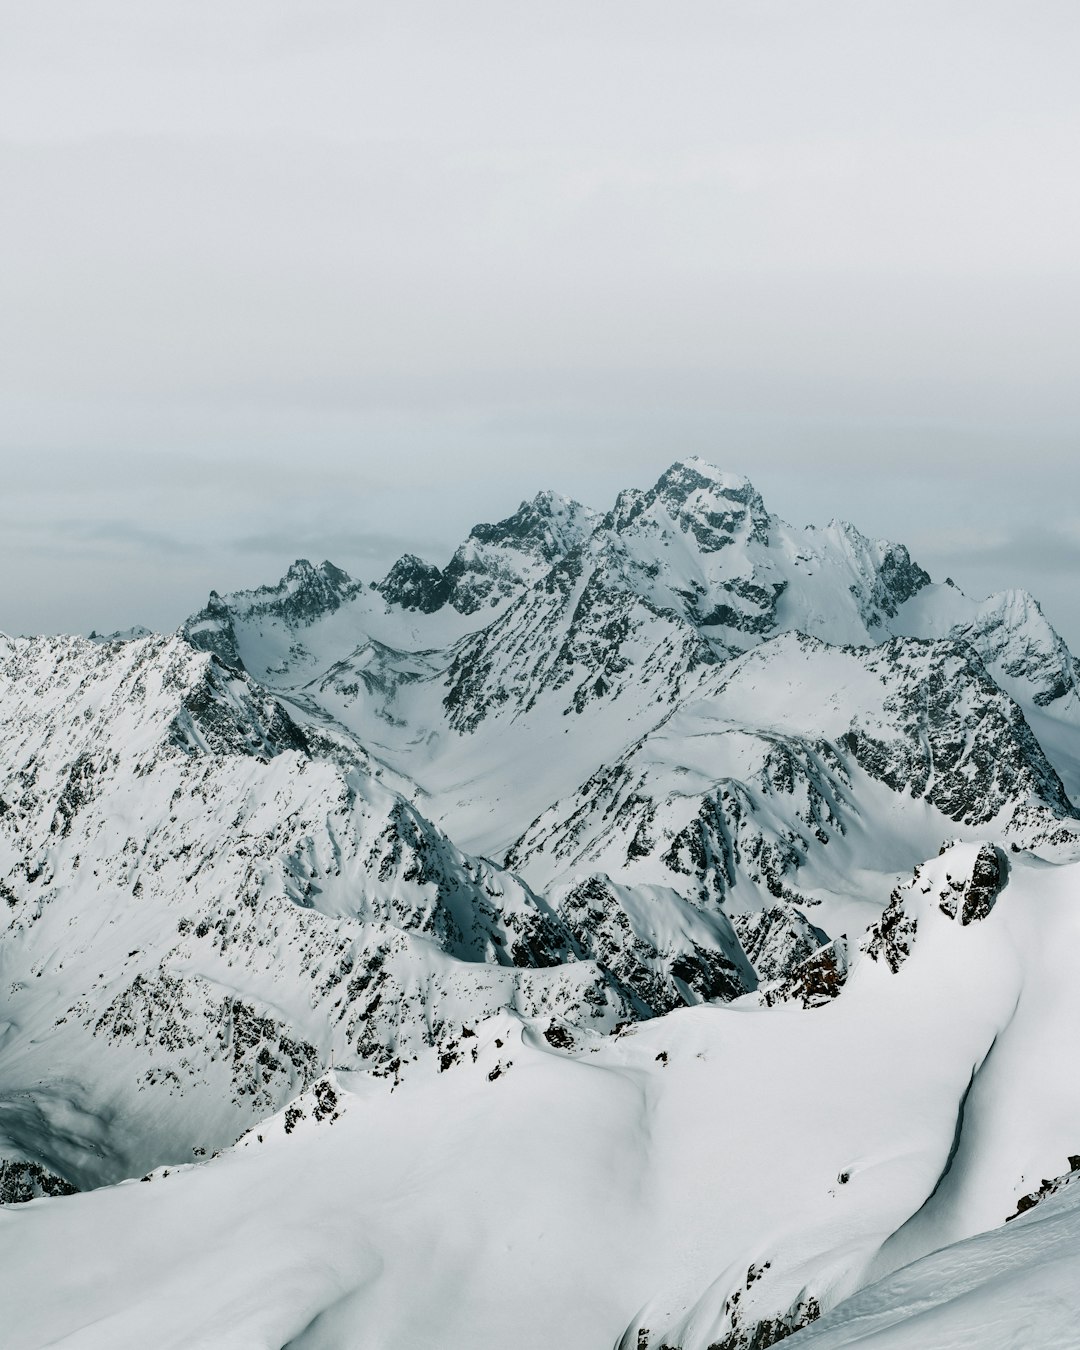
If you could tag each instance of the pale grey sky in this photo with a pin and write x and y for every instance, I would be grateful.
(333, 279)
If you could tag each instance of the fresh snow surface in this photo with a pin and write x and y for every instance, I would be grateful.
(1008, 1289)
(534, 1197)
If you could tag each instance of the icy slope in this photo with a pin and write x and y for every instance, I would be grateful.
(635, 1192)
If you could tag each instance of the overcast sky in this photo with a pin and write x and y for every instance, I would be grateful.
(340, 279)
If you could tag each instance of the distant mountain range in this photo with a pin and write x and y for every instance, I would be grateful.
(743, 853)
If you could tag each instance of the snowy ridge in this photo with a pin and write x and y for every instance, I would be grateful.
(613, 1194)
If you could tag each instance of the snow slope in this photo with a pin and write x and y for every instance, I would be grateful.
(675, 1185)
(1011, 1287)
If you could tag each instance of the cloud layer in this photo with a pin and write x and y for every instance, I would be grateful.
(364, 273)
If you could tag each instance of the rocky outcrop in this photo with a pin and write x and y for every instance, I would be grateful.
(496, 562)
(890, 939)
(415, 584)
(1048, 1187)
(656, 945)
(959, 740)
(23, 1181)
(777, 940)
(988, 877)
(814, 981)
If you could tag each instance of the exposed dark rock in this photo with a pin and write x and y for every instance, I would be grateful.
(212, 630)
(941, 689)
(1048, 1187)
(23, 1181)
(890, 939)
(304, 594)
(778, 940)
(415, 584)
(988, 877)
(497, 561)
(712, 510)
(816, 980)
(603, 929)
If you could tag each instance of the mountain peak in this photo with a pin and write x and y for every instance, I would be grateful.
(694, 467)
(415, 584)
(701, 499)
(302, 572)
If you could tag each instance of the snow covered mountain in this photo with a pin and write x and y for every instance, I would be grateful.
(203, 900)
(712, 1177)
(615, 847)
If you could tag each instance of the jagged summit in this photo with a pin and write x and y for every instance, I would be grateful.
(498, 560)
(413, 583)
(687, 478)
(557, 611)
(705, 468)
(307, 591)
(694, 496)
(495, 561)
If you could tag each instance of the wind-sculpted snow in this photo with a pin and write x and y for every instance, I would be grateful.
(703, 1179)
(1008, 1288)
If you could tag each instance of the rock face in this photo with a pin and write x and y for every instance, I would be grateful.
(813, 981)
(667, 952)
(414, 584)
(1012, 637)
(988, 876)
(497, 561)
(778, 940)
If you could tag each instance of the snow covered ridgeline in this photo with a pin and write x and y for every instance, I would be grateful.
(701, 784)
(651, 668)
(602, 624)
